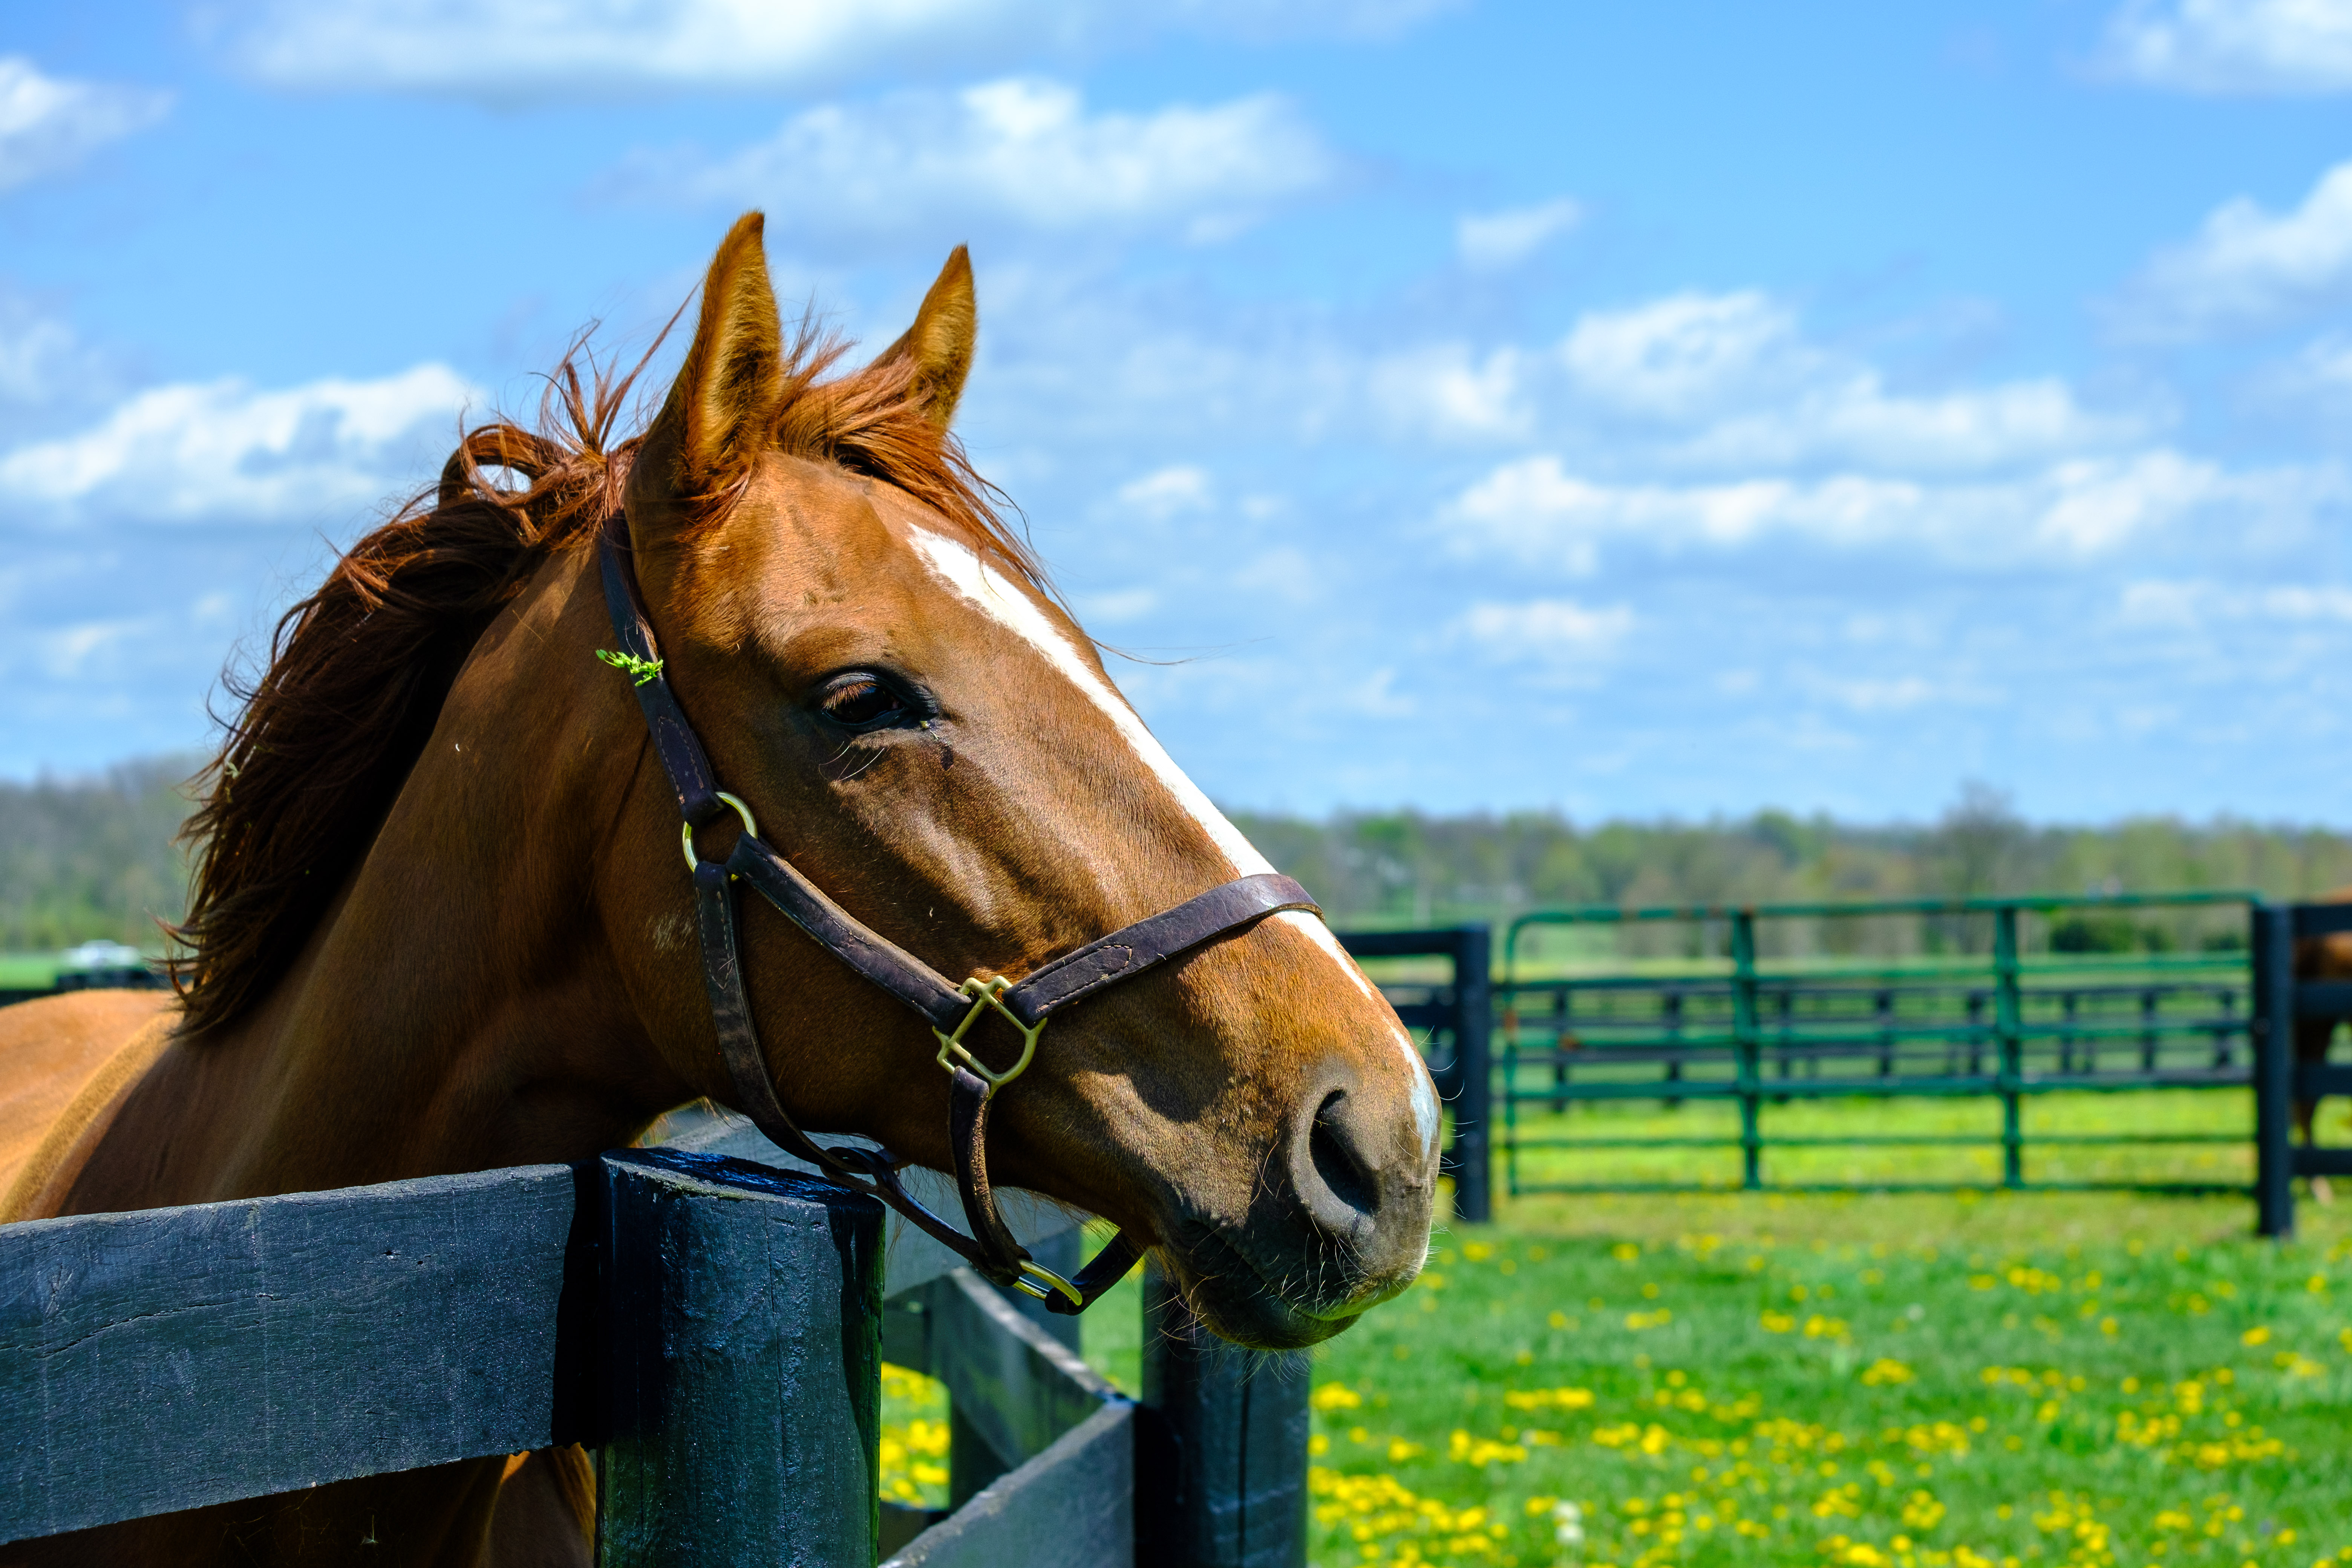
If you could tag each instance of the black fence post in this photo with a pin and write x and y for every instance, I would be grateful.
(1221, 1453)
(2271, 1030)
(1465, 1081)
(1472, 1165)
(742, 1375)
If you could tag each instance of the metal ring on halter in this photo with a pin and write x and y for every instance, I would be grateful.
(986, 993)
(686, 829)
(1030, 1266)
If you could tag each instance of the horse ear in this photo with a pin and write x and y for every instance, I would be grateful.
(722, 407)
(939, 342)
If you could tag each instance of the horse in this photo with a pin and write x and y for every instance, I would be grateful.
(2319, 958)
(437, 919)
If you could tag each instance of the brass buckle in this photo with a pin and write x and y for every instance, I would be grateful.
(986, 993)
(686, 829)
(1038, 1293)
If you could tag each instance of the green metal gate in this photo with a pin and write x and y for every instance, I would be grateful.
(2000, 1013)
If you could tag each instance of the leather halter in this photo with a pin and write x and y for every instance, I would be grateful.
(950, 1009)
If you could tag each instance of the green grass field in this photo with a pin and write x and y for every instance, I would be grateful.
(1876, 1382)
(27, 971)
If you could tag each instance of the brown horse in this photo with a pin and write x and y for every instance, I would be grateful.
(2319, 958)
(440, 921)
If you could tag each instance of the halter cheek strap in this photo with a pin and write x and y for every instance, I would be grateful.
(951, 1010)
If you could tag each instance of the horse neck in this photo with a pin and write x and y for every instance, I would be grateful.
(458, 1007)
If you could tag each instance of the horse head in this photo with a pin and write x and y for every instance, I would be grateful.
(880, 673)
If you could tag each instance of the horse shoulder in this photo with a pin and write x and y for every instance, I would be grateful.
(65, 1065)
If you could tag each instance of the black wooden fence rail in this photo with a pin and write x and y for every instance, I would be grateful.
(712, 1327)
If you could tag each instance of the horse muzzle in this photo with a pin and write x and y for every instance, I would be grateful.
(1340, 1225)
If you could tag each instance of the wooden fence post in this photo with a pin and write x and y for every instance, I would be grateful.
(1469, 1157)
(1221, 1459)
(741, 1376)
(2271, 1029)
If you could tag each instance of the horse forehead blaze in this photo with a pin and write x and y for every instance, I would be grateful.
(964, 572)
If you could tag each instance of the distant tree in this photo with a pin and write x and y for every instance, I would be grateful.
(92, 858)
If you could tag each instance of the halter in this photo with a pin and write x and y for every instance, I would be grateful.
(951, 1010)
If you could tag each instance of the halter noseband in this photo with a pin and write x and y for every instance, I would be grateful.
(950, 1009)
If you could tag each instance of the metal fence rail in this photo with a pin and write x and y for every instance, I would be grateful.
(2008, 1024)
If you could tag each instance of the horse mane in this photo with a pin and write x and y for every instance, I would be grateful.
(323, 739)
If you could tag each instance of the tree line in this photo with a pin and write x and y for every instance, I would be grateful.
(1411, 869)
(93, 857)
(89, 857)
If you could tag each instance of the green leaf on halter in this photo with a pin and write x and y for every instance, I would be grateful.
(645, 669)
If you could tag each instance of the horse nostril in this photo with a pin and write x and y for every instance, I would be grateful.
(1339, 1167)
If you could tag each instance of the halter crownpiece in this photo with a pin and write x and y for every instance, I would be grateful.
(951, 1010)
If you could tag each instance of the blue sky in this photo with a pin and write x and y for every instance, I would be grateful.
(1640, 410)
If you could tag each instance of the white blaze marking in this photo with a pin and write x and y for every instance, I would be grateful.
(1424, 1090)
(984, 585)
(1005, 604)
(1424, 1095)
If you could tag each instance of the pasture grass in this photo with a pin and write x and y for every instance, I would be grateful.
(1858, 1381)
(27, 971)
(1897, 1381)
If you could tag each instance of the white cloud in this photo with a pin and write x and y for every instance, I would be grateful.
(67, 652)
(1748, 389)
(1118, 606)
(47, 124)
(1285, 572)
(2251, 46)
(1022, 152)
(1535, 511)
(2247, 267)
(223, 450)
(1442, 390)
(1169, 492)
(1680, 357)
(1547, 629)
(1376, 696)
(2309, 604)
(2188, 606)
(2322, 367)
(1887, 694)
(511, 50)
(1495, 242)
(38, 354)
(1854, 416)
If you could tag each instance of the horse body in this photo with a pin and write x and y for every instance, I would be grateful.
(505, 969)
(67, 1057)
(2319, 958)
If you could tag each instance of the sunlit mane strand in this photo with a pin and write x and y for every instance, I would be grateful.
(324, 737)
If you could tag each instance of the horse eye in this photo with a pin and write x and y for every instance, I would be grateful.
(861, 702)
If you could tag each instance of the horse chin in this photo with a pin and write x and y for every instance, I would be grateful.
(1263, 1324)
(1237, 1301)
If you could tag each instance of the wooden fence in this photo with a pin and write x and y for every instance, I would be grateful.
(708, 1321)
